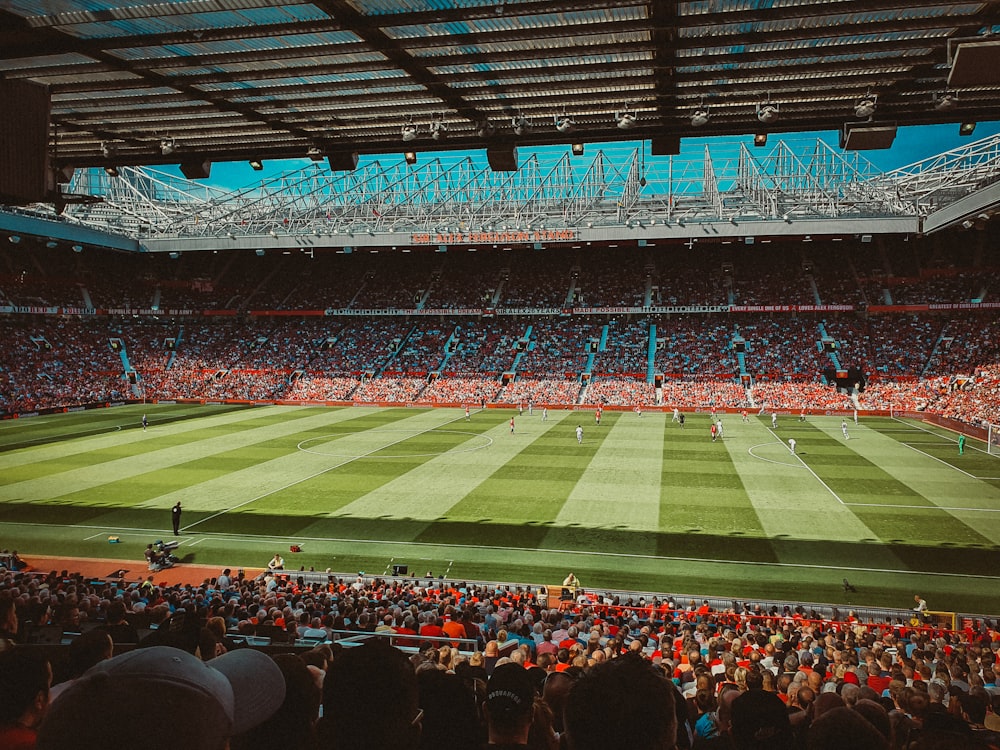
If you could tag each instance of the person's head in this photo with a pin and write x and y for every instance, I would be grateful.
(25, 679)
(760, 722)
(8, 616)
(451, 712)
(510, 700)
(622, 704)
(841, 728)
(370, 700)
(292, 725)
(198, 705)
(88, 649)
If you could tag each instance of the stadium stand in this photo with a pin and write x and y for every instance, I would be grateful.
(794, 652)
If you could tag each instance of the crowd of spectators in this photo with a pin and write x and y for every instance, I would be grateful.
(912, 362)
(435, 663)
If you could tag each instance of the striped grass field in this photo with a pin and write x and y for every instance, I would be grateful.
(640, 504)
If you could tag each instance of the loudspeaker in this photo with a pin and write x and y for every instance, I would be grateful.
(665, 145)
(502, 158)
(196, 170)
(24, 142)
(343, 161)
(863, 136)
(400, 570)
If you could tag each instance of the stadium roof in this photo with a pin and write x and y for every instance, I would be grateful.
(147, 82)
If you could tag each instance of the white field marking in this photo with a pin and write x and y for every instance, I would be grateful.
(411, 433)
(968, 444)
(31, 420)
(940, 460)
(924, 507)
(93, 536)
(263, 540)
(799, 465)
(196, 541)
(815, 475)
(316, 474)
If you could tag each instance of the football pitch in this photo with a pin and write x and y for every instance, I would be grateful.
(639, 504)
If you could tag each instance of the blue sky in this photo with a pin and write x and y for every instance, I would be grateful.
(911, 145)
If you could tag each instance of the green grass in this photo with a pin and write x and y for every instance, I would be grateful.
(641, 504)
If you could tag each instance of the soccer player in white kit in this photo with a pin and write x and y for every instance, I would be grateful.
(579, 433)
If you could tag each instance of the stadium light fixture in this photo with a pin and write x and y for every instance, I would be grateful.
(14, 239)
(256, 165)
(577, 149)
(864, 108)
(945, 101)
(767, 112)
(565, 123)
(77, 248)
(700, 116)
(438, 129)
(409, 132)
(111, 170)
(521, 125)
(967, 128)
(108, 149)
(485, 129)
(625, 119)
(168, 146)
(411, 157)
(315, 153)
(760, 139)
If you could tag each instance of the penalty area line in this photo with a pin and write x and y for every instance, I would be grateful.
(940, 460)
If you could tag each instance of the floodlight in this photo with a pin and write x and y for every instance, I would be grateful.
(760, 139)
(411, 157)
(521, 125)
(111, 171)
(485, 129)
(946, 101)
(168, 146)
(625, 119)
(565, 123)
(14, 239)
(966, 128)
(438, 130)
(256, 165)
(700, 116)
(77, 248)
(108, 149)
(577, 149)
(409, 132)
(315, 153)
(865, 106)
(767, 112)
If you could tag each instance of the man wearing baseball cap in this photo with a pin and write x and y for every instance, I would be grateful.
(165, 692)
(509, 706)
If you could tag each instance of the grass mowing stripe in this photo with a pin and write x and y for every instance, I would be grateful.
(90, 447)
(517, 504)
(430, 490)
(631, 455)
(702, 497)
(789, 497)
(154, 445)
(129, 467)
